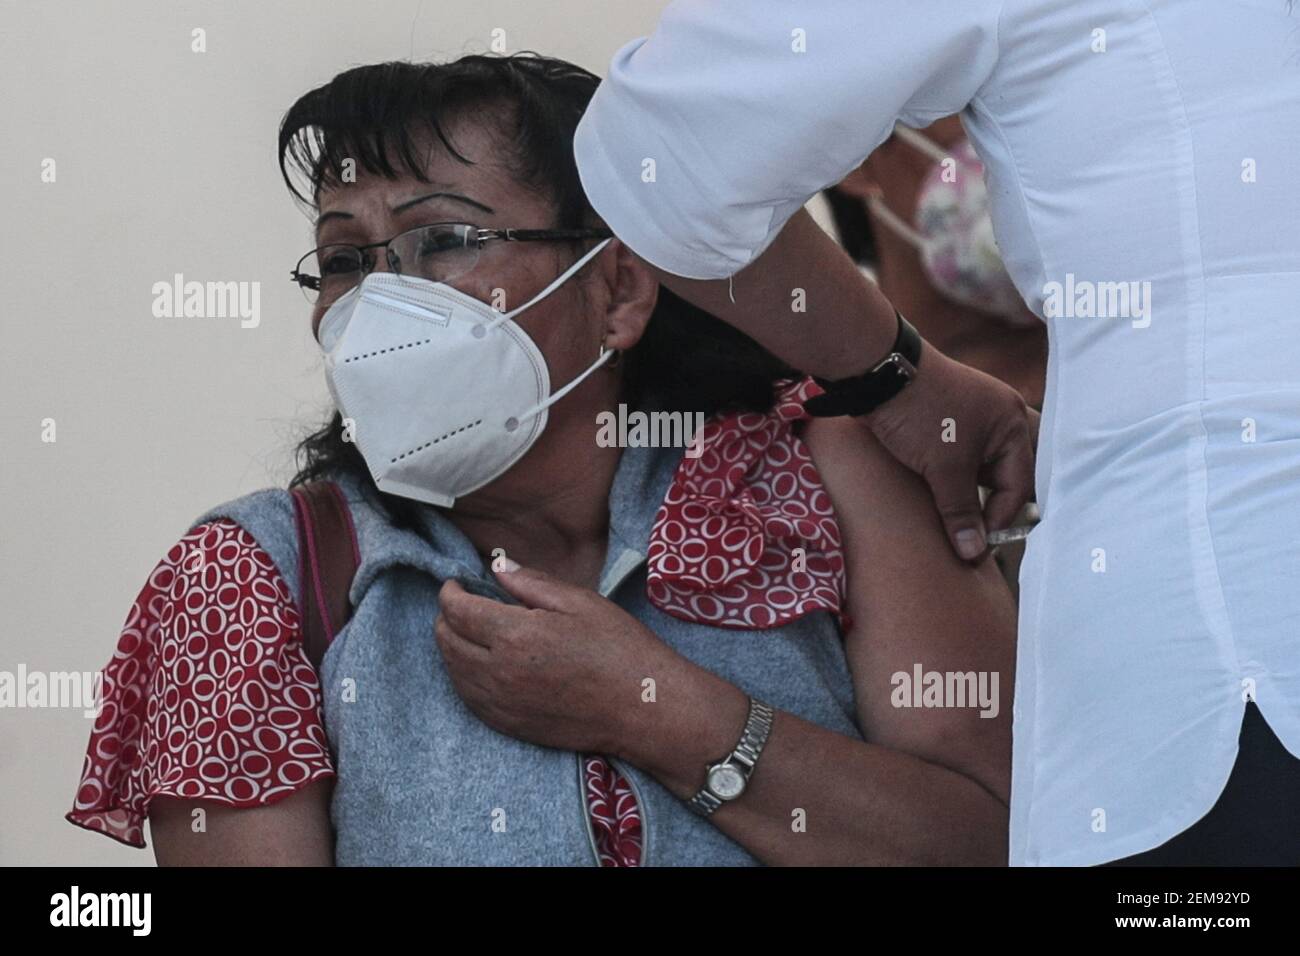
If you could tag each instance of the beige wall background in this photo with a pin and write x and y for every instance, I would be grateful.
(165, 163)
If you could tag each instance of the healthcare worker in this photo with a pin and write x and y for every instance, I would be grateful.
(1143, 161)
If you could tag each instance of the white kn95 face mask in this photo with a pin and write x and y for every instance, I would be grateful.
(443, 392)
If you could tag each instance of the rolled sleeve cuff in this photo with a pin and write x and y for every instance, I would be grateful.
(669, 221)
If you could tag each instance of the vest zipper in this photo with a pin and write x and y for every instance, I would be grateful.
(585, 809)
(627, 562)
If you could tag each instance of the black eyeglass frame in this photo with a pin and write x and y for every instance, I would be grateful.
(478, 236)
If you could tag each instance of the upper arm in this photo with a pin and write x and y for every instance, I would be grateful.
(270, 708)
(210, 704)
(749, 107)
(294, 831)
(914, 603)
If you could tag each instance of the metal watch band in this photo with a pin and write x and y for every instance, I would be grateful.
(758, 726)
(866, 392)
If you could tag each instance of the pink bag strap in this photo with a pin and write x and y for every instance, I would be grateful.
(328, 559)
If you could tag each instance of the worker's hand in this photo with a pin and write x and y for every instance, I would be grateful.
(959, 429)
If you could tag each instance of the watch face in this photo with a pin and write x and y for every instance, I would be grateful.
(726, 782)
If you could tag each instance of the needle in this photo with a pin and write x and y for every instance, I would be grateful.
(1007, 535)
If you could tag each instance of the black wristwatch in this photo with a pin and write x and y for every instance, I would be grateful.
(868, 391)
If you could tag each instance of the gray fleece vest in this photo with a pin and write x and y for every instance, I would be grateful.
(422, 781)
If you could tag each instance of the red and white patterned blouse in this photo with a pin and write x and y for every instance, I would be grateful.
(210, 695)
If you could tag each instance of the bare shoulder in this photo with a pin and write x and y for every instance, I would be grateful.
(886, 514)
(870, 490)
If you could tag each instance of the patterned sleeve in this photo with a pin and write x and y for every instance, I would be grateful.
(209, 695)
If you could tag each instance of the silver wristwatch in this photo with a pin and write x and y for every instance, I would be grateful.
(727, 779)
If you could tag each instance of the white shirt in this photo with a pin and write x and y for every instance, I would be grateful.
(1124, 141)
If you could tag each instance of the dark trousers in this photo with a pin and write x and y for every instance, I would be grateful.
(1256, 821)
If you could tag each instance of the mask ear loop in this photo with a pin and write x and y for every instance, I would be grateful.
(512, 423)
(559, 280)
(895, 222)
(877, 205)
(922, 142)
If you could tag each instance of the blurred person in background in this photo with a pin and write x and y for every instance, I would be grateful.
(915, 216)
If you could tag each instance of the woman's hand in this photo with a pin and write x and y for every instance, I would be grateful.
(566, 670)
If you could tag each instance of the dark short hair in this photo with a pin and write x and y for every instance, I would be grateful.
(688, 360)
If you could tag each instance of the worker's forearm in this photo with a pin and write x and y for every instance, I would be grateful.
(804, 300)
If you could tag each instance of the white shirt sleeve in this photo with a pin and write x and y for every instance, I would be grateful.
(707, 136)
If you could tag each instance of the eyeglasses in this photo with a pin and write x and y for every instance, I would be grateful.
(440, 252)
